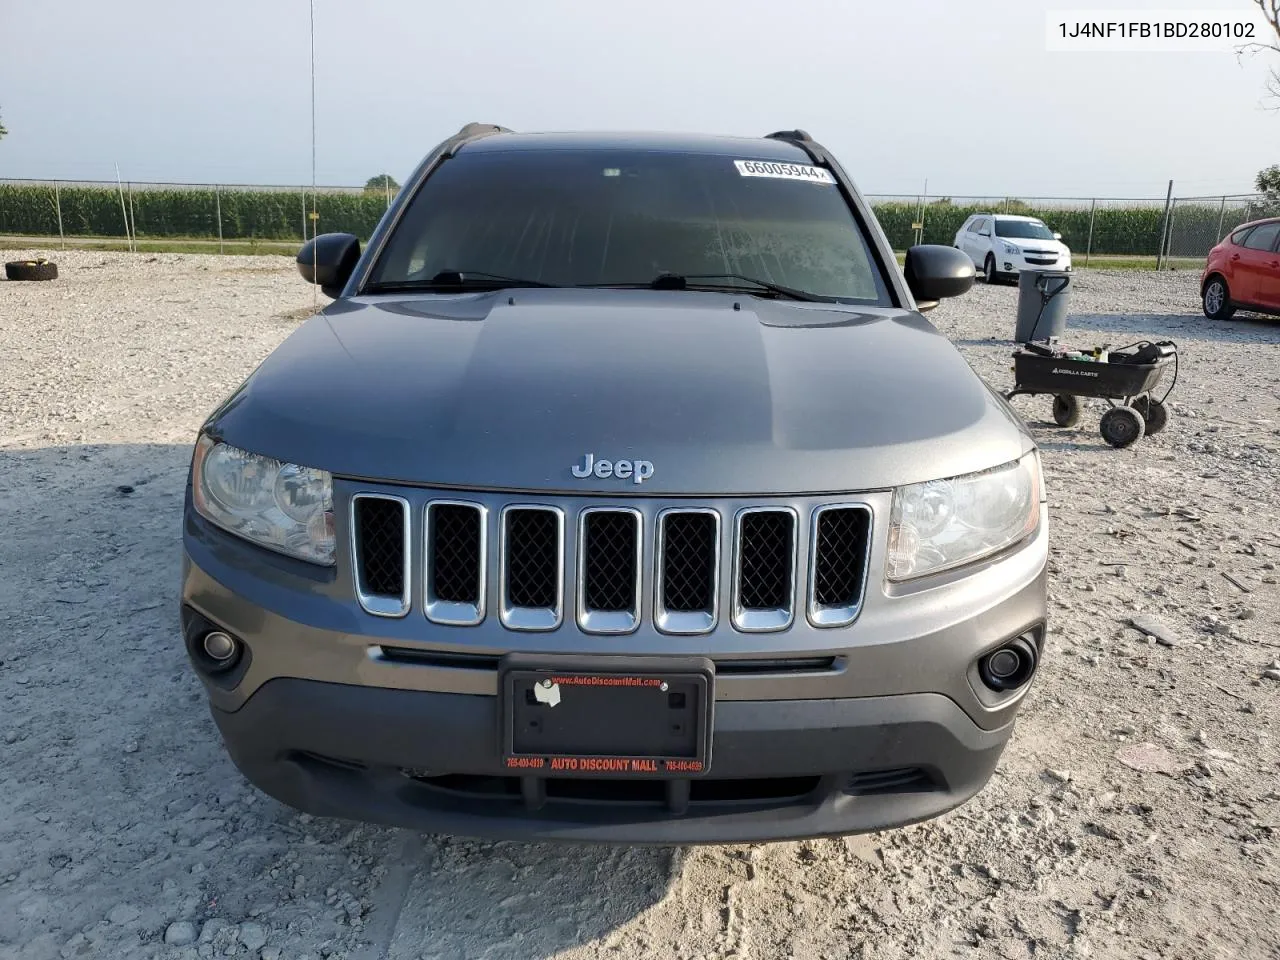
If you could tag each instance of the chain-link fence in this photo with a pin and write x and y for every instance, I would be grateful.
(1197, 223)
(1146, 231)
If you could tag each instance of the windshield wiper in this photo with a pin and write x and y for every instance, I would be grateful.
(683, 281)
(456, 280)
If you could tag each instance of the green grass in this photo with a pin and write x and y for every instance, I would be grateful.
(163, 245)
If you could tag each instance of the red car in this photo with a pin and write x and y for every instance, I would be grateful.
(1243, 271)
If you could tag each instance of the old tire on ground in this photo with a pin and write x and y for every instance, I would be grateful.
(31, 270)
(1066, 410)
(1155, 415)
(1121, 426)
(1215, 298)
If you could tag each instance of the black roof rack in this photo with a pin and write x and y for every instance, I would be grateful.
(799, 135)
(469, 132)
(472, 130)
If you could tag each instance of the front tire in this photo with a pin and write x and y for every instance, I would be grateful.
(1121, 427)
(1216, 299)
(989, 274)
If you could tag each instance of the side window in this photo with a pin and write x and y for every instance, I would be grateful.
(1238, 237)
(1262, 237)
(983, 227)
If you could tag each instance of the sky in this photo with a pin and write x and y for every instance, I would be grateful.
(963, 94)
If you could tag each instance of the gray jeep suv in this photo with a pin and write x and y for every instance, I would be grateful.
(623, 494)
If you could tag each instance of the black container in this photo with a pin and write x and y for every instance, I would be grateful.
(1034, 373)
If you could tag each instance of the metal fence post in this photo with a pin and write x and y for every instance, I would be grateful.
(303, 192)
(57, 205)
(1164, 224)
(386, 182)
(217, 201)
(1088, 249)
(1222, 212)
(124, 214)
(133, 220)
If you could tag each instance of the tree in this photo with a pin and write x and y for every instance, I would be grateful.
(1271, 13)
(1268, 181)
(384, 182)
(1268, 184)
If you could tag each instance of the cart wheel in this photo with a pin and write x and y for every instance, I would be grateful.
(1121, 426)
(1066, 410)
(1155, 414)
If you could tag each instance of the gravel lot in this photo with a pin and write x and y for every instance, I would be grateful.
(1134, 815)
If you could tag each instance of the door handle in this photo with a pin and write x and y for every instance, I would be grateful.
(1235, 256)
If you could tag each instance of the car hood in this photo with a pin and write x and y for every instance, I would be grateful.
(722, 394)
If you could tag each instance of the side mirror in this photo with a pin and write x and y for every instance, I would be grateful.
(328, 260)
(933, 272)
(1057, 236)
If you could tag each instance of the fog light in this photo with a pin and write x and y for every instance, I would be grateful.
(1009, 667)
(219, 646)
(1008, 267)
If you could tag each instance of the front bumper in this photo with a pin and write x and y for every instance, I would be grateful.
(1016, 263)
(859, 728)
(781, 769)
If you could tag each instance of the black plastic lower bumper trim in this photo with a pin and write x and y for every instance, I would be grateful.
(390, 744)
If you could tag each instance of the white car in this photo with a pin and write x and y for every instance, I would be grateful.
(1003, 245)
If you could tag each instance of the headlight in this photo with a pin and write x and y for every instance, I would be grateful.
(942, 524)
(1010, 248)
(281, 506)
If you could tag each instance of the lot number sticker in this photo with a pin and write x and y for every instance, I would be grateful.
(783, 171)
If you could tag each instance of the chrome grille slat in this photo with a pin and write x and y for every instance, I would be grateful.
(531, 567)
(764, 569)
(609, 557)
(380, 556)
(839, 557)
(455, 560)
(687, 565)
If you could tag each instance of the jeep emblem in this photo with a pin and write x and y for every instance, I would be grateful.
(637, 471)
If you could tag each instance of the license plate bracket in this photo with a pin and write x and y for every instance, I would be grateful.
(607, 716)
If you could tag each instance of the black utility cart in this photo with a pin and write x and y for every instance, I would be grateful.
(1129, 375)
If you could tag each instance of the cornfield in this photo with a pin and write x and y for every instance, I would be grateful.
(32, 210)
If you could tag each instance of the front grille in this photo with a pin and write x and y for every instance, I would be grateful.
(688, 571)
(609, 571)
(620, 573)
(765, 570)
(455, 562)
(380, 526)
(838, 564)
(1041, 261)
(532, 567)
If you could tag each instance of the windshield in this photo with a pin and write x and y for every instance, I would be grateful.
(612, 217)
(1025, 229)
